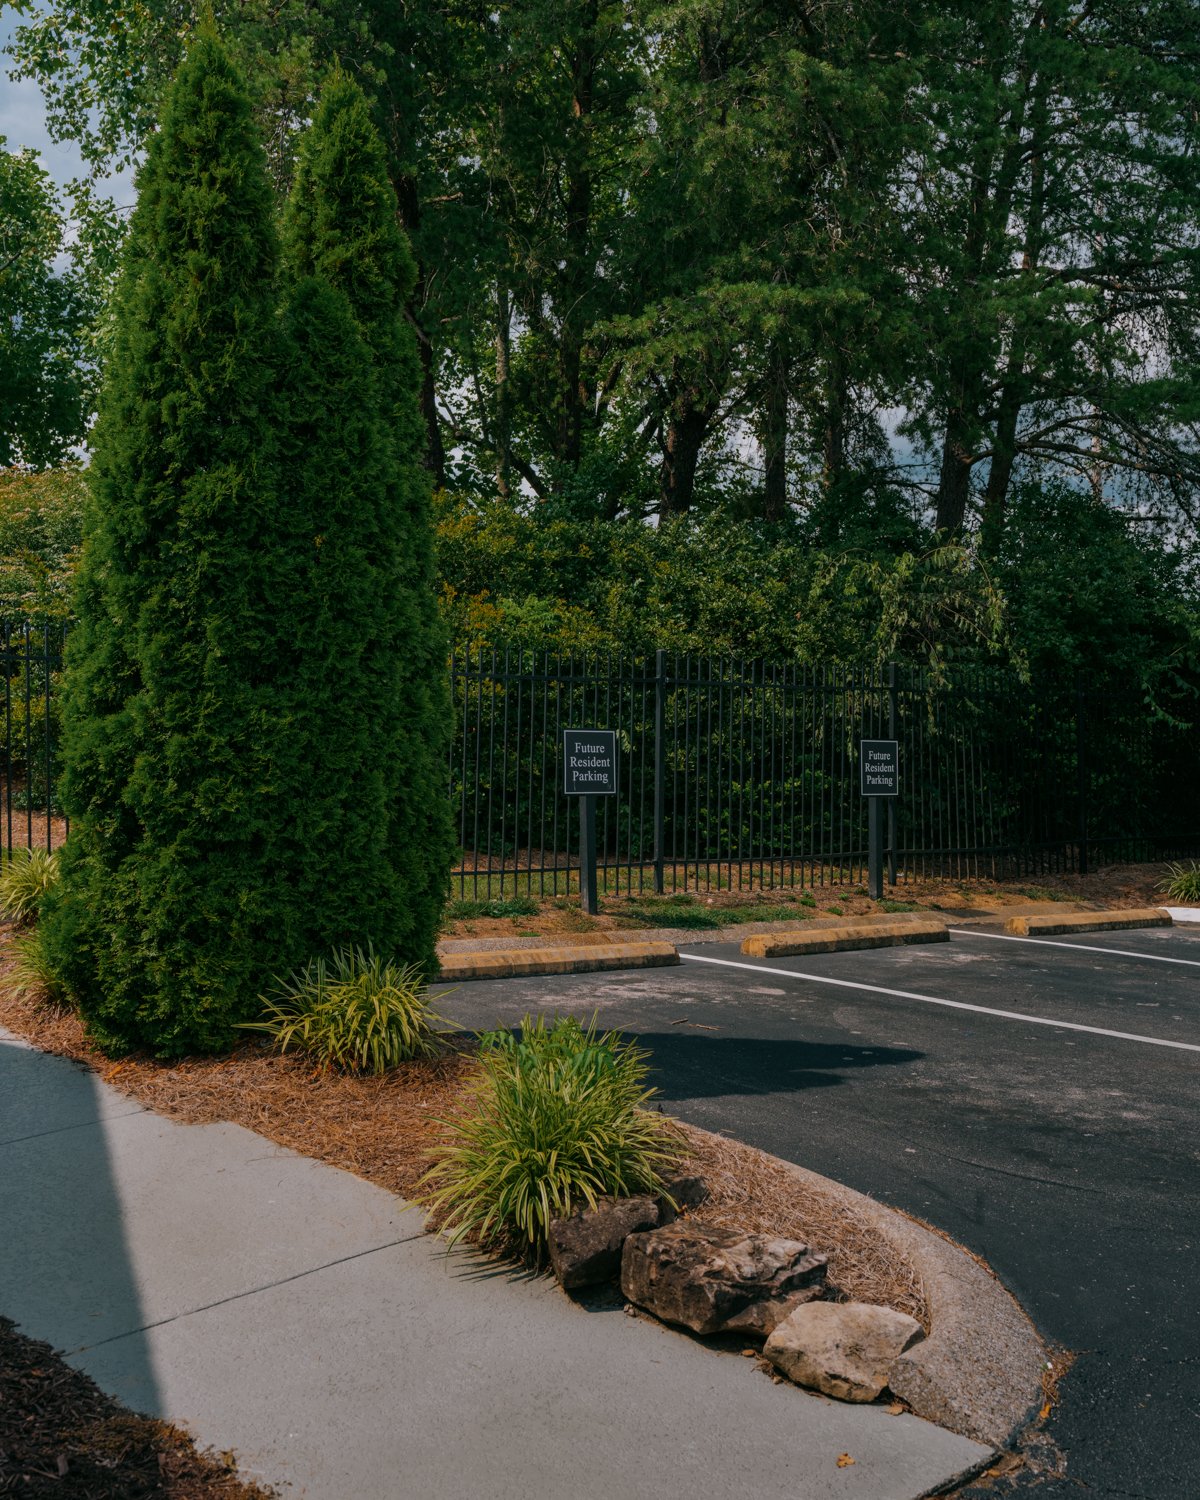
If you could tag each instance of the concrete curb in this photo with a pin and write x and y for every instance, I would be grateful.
(979, 1372)
(1088, 921)
(846, 938)
(512, 963)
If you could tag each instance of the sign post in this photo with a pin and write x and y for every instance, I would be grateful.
(589, 771)
(878, 776)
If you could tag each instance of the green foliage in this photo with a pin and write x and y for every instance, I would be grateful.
(1094, 590)
(35, 972)
(41, 535)
(704, 584)
(175, 900)
(1183, 883)
(341, 229)
(558, 1118)
(26, 878)
(44, 312)
(356, 1012)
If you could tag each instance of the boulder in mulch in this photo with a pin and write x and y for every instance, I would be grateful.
(684, 1191)
(715, 1280)
(585, 1248)
(842, 1349)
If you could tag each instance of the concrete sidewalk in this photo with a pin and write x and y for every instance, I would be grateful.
(298, 1315)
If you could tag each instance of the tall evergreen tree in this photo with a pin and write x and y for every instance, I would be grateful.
(173, 906)
(342, 229)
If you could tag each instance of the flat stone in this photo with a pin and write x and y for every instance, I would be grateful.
(585, 1248)
(842, 1349)
(715, 1280)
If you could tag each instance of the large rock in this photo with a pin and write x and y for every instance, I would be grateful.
(841, 1349)
(585, 1248)
(684, 1191)
(715, 1280)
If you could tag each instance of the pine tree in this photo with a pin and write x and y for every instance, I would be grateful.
(342, 228)
(173, 910)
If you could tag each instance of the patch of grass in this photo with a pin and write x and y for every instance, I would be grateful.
(356, 1012)
(26, 877)
(1182, 882)
(558, 1118)
(806, 898)
(506, 906)
(887, 905)
(731, 915)
(838, 911)
(1039, 893)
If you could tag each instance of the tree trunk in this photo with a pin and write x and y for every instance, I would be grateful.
(687, 427)
(774, 428)
(410, 216)
(503, 394)
(1012, 395)
(578, 273)
(954, 481)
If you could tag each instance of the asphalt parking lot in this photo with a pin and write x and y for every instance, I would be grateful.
(1038, 1099)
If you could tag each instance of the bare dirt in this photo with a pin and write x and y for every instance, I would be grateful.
(1111, 887)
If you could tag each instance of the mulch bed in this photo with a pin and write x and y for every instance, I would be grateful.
(382, 1129)
(61, 1437)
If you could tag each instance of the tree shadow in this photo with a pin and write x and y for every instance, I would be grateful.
(66, 1273)
(684, 1066)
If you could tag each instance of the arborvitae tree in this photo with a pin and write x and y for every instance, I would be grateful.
(342, 228)
(174, 910)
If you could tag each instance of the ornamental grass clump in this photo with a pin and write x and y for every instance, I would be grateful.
(26, 878)
(355, 1011)
(35, 974)
(558, 1119)
(1182, 882)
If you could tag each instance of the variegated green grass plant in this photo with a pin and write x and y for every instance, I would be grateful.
(1182, 882)
(26, 877)
(355, 1011)
(558, 1118)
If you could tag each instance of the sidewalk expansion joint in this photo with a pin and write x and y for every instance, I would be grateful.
(268, 1286)
(80, 1125)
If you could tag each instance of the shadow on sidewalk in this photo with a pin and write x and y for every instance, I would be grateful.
(66, 1272)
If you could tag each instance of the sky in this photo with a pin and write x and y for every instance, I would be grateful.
(23, 121)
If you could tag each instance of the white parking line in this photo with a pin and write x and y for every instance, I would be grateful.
(1004, 937)
(983, 1010)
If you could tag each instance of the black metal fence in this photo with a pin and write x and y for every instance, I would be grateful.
(31, 654)
(743, 774)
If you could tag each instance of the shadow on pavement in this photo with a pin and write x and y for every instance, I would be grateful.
(694, 1067)
(66, 1275)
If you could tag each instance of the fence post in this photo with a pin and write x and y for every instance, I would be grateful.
(891, 801)
(1081, 771)
(660, 761)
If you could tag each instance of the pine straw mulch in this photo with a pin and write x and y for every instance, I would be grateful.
(382, 1128)
(61, 1437)
(749, 1190)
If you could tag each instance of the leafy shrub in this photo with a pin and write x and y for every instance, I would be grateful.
(35, 973)
(559, 1119)
(355, 1011)
(25, 879)
(1183, 882)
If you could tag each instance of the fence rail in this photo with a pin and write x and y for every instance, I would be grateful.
(742, 775)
